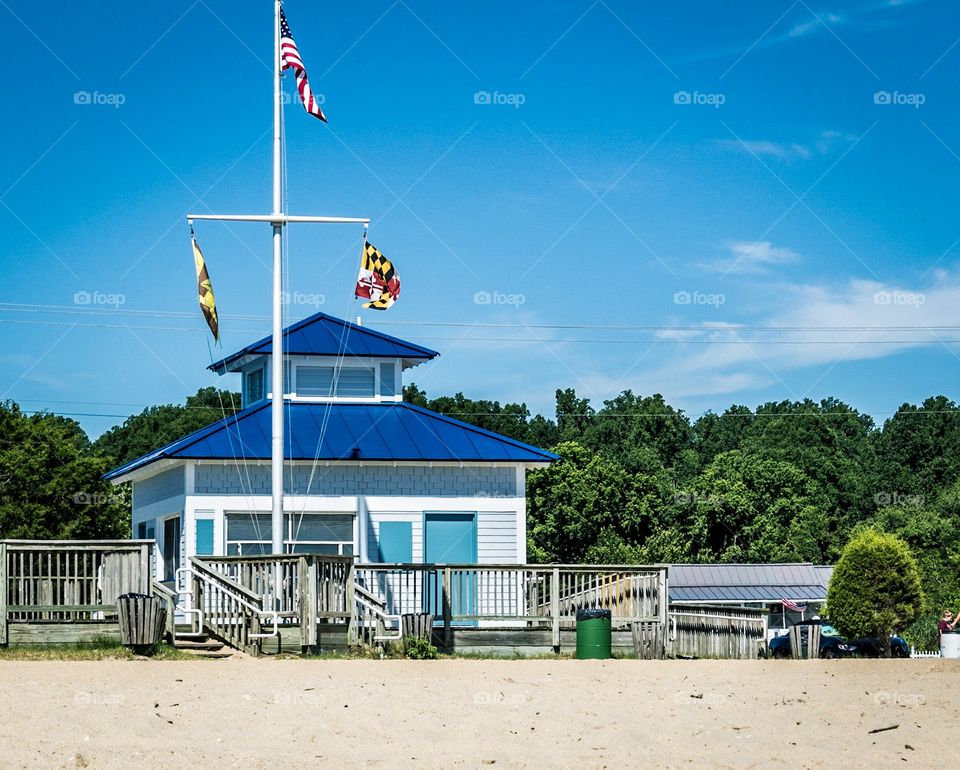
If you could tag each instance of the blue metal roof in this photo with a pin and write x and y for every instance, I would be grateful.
(391, 431)
(324, 335)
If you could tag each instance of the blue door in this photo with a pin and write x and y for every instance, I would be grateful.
(451, 538)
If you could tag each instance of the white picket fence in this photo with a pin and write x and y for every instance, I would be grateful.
(915, 653)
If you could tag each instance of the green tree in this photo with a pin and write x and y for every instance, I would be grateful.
(932, 530)
(50, 485)
(918, 450)
(875, 588)
(630, 427)
(159, 425)
(750, 509)
(589, 507)
(512, 420)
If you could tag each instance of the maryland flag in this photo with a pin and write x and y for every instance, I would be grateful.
(378, 280)
(208, 304)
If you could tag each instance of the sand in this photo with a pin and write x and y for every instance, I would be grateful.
(243, 712)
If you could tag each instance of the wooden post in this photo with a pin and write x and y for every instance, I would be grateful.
(3, 593)
(313, 597)
(146, 578)
(351, 600)
(196, 602)
(555, 607)
(304, 601)
(447, 608)
(663, 599)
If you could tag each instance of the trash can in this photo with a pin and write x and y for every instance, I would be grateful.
(593, 634)
(950, 645)
(143, 620)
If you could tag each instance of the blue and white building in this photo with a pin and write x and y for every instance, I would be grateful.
(366, 474)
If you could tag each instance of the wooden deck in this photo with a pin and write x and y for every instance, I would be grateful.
(58, 592)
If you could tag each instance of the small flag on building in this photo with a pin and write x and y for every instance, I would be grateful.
(793, 606)
(378, 280)
(208, 304)
(290, 59)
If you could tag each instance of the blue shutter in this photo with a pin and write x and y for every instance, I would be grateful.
(395, 544)
(388, 374)
(204, 537)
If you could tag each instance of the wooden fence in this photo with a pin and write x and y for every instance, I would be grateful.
(66, 590)
(516, 595)
(709, 631)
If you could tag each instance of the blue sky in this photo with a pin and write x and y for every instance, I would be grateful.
(720, 202)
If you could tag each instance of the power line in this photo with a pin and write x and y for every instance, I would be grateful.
(706, 327)
(562, 341)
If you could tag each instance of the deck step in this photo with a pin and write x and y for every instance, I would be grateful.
(198, 644)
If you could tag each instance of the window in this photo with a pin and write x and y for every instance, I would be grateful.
(388, 377)
(171, 547)
(345, 381)
(325, 533)
(255, 390)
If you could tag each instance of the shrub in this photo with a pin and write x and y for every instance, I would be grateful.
(419, 649)
(875, 588)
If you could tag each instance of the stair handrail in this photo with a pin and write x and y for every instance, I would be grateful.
(169, 598)
(243, 596)
(376, 605)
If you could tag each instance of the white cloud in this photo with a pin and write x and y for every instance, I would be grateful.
(751, 257)
(816, 23)
(815, 326)
(824, 143)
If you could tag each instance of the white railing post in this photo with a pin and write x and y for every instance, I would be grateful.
(555, 607)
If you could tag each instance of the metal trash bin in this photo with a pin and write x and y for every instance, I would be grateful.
(593, 634)
(143, 620)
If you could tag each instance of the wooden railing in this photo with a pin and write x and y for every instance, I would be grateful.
(69, 580)
(231, 612)
(517, 595)
(302, 589)
(709, 631)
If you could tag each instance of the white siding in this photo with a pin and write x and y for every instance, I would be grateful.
(497, 537)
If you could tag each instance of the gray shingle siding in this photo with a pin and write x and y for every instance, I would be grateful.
(371, 480)
(160, 487)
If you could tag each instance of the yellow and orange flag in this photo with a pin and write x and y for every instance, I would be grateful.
(208, 303)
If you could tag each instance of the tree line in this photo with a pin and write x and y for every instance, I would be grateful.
(638, 480)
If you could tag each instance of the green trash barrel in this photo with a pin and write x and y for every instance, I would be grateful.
(593, 634)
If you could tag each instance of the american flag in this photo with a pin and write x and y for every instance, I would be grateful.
(290, 59)
(793, 606)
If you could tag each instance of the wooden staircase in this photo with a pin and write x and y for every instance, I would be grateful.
(201, 645)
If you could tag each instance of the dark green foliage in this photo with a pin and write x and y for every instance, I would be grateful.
(419, 649)
(511, 420)
(159, 425)
(875, 588)
(50, 483)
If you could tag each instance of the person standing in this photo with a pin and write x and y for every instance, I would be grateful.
(946, 625)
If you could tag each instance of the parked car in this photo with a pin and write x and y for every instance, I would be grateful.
(832, 645)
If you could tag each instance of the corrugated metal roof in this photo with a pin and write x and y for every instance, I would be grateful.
(746, 582)
(324, 335)
(747, 593)
(393, 431)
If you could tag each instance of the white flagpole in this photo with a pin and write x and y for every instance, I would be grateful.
(276, 457)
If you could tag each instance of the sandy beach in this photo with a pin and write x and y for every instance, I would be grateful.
(479, 713)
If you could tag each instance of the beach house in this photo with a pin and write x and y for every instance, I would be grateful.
(366, 474)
